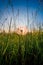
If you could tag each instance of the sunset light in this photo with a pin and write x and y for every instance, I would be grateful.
(22, 30)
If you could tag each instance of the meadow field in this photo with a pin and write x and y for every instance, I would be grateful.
(21, 49)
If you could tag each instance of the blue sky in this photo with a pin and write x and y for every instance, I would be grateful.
(33, 5)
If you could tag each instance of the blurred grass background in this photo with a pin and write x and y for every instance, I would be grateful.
(21, 49)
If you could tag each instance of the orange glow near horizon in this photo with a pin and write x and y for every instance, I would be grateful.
(22, 30)
(19, 30)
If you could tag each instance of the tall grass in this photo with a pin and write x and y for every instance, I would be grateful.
(21, 50)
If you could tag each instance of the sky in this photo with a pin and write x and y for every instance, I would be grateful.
(19, 13)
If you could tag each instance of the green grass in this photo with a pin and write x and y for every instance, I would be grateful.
(21, 49)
